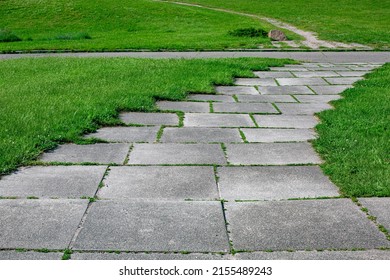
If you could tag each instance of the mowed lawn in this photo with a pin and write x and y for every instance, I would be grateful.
(121, 24)
(51, 100)
(362, 21)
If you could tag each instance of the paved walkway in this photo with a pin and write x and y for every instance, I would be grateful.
(236, 174)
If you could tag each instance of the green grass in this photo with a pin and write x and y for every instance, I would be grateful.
(122, 24)
(354, 139)
(51, 100)
(363, 21)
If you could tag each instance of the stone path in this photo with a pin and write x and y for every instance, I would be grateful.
(235, 178)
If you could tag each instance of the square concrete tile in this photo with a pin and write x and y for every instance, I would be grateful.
(352, 73)
(285, 90)
(272, 154)
(160, 183)
(285, 121)
(301, 225)
(52, 181)
(343, 80)
(311, 74)
(270, 74)
(289, 68)
(303, 108)
(317, 98)
(218, 120)
(96, 153)
(266, 98)
(244, 108)
(300, 81)
(232, 90)
(200, 135)
(189, 107)
(255, 82)
(154, 226)
(177, 154)
(29, 255)
(210, 97)
(278, 135)
(378, 207)
(148, 256)
(39, 223)
(329, 89)
(274, 183)
(126, 134)
(150, 118)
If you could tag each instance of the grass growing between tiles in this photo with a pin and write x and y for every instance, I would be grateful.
(50, 100)
(354, 139)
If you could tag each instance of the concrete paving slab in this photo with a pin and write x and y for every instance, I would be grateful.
(311, 74)
(270, 74)
(302, 108)
(150, 118)
(317, 98)
(210, 97)
(255, 82)
(289, 68)
(329, 89)
(39, 223)
(286, 121)
(244, 108)
(352, 73)
(218, 120)
(300, 81)
(126, 134)
(188, 107)
(272, 154)
(148, 256)
(154, 226)
(317, 255)
(379, 207)
(301, 225)
(278, 135)
(29, 255)
(177, 154)
(160, 183)
(52, 182)
(232, 90)
(95, 153)
(274, 183)
(343, 80)
(200, 135)
(285, 90)
(266, 98)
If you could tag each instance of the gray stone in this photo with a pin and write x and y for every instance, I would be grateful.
(284, 121)
(210, 97)
(300, 81)
(352, 73)
(317, 98)
(177, 154)
(255, 82)
(270, 74)
(285, 90)
(150, 118)
(272, 154)
(311, 74)
(301, 225)
(289, 68)
(302, 108)
(189, 107)
(329, 89)
(126, 134)
(343, 81)
(244, 108)
(96, 153)
(160, 183)
(29, 255)
(38, 223)
(274, 182)
(277, 35)
(218, 120)
(378, 207)
(154, 226)
(148, 256)
(200, 135)
(53, 181)
(278, 135)
(266, 98)
(232, 90)
(317, 255)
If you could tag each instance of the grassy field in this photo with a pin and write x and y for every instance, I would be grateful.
(354, 139)
(51, 100)
(120, 24)
(363, 21)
